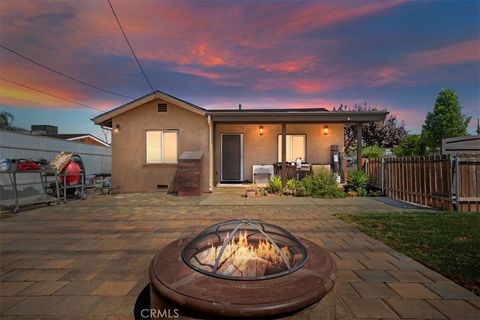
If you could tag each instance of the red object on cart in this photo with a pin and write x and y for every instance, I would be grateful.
(25, 165)
(73, 171)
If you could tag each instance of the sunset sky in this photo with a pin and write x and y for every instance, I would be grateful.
(218, 54)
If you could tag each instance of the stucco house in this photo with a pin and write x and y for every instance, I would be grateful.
(151, 133)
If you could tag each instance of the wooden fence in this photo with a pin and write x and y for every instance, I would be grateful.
(436, 181)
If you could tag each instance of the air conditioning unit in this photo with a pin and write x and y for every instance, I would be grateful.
(262, 173)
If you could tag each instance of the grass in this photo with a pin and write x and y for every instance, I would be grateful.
(446, 242)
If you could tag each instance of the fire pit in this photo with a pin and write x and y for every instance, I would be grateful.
(244, 268)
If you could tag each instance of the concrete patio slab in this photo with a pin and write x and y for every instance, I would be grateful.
(89, 259)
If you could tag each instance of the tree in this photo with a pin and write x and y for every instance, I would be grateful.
(384, 134)
(445, 121)
(478, 127)
(6, 120)
(412, 146)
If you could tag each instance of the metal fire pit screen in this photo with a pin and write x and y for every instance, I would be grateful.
(245, 249)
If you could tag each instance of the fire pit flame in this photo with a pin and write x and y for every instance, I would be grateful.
(243, 259)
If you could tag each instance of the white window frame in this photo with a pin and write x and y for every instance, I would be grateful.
(162, 150)
(279, 146)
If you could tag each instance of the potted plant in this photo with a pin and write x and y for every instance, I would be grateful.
(251, 191)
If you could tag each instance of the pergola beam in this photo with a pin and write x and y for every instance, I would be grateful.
(359, 146)
(284, 154)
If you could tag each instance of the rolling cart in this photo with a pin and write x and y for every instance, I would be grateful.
(62, 186)
(20, 200)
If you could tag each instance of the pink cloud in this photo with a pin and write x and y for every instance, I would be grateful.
(318, 15)
(467, 51)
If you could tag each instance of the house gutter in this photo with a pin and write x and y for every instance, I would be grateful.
(210, 153)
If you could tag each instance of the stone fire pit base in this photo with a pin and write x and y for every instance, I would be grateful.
(323, 309)
(307, 293)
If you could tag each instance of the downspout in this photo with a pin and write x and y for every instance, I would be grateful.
(210, 154)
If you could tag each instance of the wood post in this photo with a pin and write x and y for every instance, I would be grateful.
(359, 145)
(284, 154)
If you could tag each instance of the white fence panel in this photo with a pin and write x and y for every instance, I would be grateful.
(14, 145)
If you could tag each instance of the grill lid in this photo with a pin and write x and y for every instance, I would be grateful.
(245, 249)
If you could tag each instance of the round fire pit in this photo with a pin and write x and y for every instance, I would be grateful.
(243, 268)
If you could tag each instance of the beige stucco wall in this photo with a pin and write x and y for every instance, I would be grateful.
(263, 149)
(129, 168)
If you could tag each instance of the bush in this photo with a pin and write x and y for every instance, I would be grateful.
(322, 184)
(373, 152)
(307, 185)
(362, 192)
(275, 184)
(291, 186)
(358, 179)
(300, 191)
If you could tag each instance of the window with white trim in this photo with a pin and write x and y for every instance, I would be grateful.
(296, 147)
(161, 146)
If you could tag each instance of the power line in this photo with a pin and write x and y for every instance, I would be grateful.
(63, 74)
(130, 46)
(52, 95)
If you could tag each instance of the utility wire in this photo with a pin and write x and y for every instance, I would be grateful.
(130, 46)
(52, 95)
(62, 74)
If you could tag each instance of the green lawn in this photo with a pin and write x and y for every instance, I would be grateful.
(446, 242)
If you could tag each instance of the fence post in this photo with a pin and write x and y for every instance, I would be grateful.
(366, 166)
(457, 182)
(383, 175)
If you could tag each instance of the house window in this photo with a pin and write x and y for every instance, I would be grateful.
(296, 147)
(162, 146)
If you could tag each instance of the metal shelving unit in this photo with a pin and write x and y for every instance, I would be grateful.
(18, 201)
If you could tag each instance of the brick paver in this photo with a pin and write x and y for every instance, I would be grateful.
(369, 308)
(412, 290)
(89, 259)
(414, 308)
(456, 309)
(374, 290)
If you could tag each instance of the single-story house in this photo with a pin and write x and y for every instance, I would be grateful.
(52, 132)
(151, 133)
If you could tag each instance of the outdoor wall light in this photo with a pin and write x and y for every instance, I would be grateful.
(325, 130)
(260, 130)
(117, 128)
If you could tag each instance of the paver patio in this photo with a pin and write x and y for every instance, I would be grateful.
(89, 259)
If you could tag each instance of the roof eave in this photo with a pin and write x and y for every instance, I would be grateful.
(105, 119)
(299, 117)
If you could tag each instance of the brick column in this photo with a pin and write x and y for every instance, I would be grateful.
(189, 174)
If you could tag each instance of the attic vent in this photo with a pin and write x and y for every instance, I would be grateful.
(162, 107)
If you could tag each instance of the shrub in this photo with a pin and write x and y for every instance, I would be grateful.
(275, 184)
(300, 191)
(322, 184)
(358, 179)
(291, 186)
(362, 192)
(373, 152)
(307, 185)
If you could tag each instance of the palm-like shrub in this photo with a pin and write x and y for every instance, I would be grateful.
(291, 186)
(358, 179)
(275, 184)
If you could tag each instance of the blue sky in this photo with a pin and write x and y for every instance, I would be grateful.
(217, 54)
